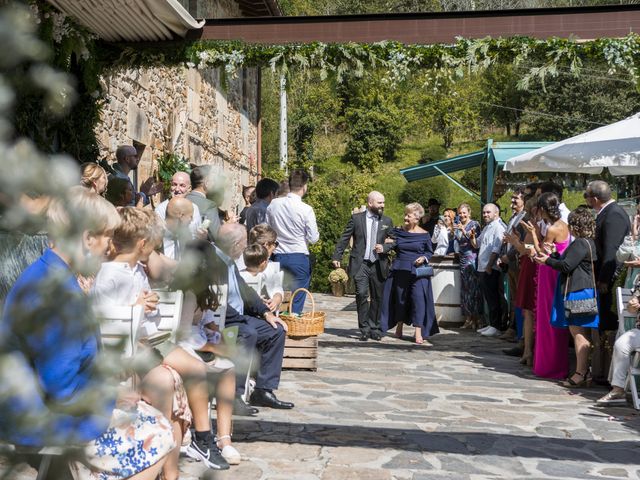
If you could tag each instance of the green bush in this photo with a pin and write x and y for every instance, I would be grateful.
(335, 191)
(375, 132)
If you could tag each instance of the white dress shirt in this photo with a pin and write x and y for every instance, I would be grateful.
(440, 240)
(490, 241)
(270, 279)
(369, 218)
(117, 284)
(295, 223)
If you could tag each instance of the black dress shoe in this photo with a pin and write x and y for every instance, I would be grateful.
(376, 336)
(265, 398)
(242, 409)
(516, 351)
(363, 337)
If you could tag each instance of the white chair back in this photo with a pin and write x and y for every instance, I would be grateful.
(170, 308)
(626, 319)
(119, 326)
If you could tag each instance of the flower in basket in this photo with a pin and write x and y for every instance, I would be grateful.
(338, 276)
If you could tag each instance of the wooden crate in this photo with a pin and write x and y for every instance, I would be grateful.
(300, 353)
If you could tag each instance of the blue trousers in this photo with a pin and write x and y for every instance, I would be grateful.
(297, 275)
(256, 336)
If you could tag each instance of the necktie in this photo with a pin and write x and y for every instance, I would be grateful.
(373, 238)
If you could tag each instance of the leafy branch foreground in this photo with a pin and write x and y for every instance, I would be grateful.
(618, 55)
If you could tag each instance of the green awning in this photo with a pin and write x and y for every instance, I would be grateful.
(499, 151)
(433, 169)
(503, 151)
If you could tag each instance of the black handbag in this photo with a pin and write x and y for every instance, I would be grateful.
(583, 307)
(424, 271)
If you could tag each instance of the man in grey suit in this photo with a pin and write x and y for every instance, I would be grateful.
(368, 262)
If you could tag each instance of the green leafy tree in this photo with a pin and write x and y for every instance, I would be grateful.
(502, 102)
(452, 106)
(571, 105)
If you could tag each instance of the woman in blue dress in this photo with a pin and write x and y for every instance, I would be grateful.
(470, 294)
(407, 298)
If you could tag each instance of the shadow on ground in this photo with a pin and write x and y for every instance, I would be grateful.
(466, 443)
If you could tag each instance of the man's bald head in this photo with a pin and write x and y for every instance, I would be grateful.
(180, 184)
(375, 202)
(232, 239)
(490, 212)
(127, 157)
(179, 213)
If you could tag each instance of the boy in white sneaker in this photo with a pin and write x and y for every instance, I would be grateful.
(123, 281)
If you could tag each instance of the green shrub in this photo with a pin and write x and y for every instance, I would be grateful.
(375, 134)
(334, 192)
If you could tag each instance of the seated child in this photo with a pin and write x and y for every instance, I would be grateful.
(262, 275)
(123, 281)
(266, 236)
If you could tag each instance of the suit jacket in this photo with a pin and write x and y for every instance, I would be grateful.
(253, 304)
(612, 225)
(357, 228)
(208, 210)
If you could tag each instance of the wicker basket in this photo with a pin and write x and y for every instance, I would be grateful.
(307, 324)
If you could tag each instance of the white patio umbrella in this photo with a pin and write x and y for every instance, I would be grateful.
(615, 146)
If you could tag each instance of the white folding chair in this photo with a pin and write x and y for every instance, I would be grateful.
(119, 326)
(634, 372)
(626, 319)
(170, 308)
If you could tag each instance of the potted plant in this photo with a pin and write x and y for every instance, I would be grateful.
(338, 279)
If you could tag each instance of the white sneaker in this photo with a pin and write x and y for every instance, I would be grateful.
(231, 455)
(491, 332)
(480, 330)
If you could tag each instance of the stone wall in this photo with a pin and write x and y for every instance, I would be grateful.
(212, 8)
(207, 117)
(188, 111)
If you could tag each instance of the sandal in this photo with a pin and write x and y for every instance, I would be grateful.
(571, 383)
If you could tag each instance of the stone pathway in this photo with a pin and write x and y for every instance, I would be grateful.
(456, 409)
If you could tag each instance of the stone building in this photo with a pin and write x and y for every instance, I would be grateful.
(208, 118)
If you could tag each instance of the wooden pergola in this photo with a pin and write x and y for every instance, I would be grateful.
(585, 23)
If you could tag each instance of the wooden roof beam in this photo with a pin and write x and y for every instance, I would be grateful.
(425, 28)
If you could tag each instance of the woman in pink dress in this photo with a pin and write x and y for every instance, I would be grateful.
(550, 359)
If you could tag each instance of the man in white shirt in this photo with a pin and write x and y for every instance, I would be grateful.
(295, 224)
(180, 186)
(490, 242)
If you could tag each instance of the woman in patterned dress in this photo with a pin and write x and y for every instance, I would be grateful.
(470, 294)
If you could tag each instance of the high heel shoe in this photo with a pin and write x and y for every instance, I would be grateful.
(569, 382)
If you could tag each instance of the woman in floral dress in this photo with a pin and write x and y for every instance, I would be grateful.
(470, 295)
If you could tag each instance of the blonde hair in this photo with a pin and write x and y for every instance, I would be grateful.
(81, 210)
(137, 224)
(91, 173)
(465, 205)
(415, 208)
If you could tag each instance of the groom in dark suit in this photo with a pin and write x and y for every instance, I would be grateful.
(612, 225)
(368, 262)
